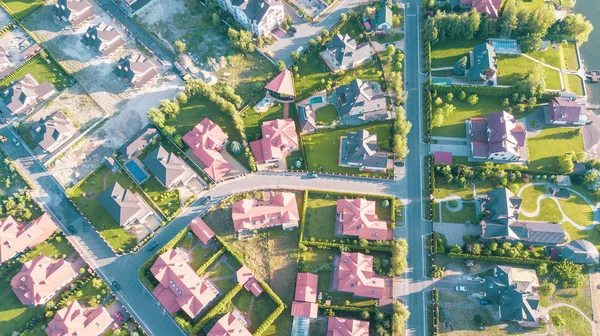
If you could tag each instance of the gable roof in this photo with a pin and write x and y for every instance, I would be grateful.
(24, 93)
(229, 325)
(499, 132)
(513, 289)
(102, 37)
(136, 69)
(202, 231)
(484, 59)
(75, 11)
(122, 204)
(355, 275)
(306, 287)
(337, 326)
(564, 109)
(384, 15)
(76, 320)
(359, 97)
(52, 128)
(489, 7)
(16, 237)
(255, 10)
(358, 218)
(279, 209)
(361, 149)
(205, 140)
(346, 51)
(278, 135)
(305, 309)
(580, 251)
(282, 83)
(164, 165)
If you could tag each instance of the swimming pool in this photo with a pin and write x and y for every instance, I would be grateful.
(138, 173)
(316, 100)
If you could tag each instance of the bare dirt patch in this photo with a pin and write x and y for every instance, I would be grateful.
(14, 42)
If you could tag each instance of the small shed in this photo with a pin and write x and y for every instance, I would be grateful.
(111, 164)
(442, 158)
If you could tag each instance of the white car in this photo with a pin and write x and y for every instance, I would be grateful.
(461, 288)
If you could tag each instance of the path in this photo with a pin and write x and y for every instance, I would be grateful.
(286, 110)
(558, 305)
(580, 72)
(104, 180)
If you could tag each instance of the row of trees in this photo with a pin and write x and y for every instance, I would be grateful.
(454, 27)
(401, 129)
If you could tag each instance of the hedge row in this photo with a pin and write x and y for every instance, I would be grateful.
(351, 308)
(216, 310)
(231, 251)
(523, 261)
(381, 248)
(303, 216)
(6, 28)
(200, 271)
(275, 314)
(472, 89)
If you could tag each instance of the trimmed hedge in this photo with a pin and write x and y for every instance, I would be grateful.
(471, 89)
(381, 248)
(351, 308)
(275, 314)
(200, 271)
(6, 80)
(216, 310)
(303, 218)
(523, 261)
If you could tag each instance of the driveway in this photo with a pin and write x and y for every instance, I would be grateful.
(455, 232)
(591, 136)
(455, 149)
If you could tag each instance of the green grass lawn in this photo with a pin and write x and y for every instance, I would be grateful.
(13, 315)
(580, 297)
(85, 197)
(248, 74)
(320, 217)
(225, 285)
(56, 248)
(454, 125)
(253, 120)
(221, 270)
(387, 38)
(573, 83)
(530, 196)
(370, 71)
(565, 57)
(312, 70)
(326, 114)
(322, 149)
(242, 300)
(352, 28)
(514, 68)
(575, 324)
(448, 53)
(467, 213)
(20, 6)
(167, 200)
(533, 4)
(577, 210)
(552, 142)
(42, 72)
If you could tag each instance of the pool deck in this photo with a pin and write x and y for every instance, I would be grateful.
(134, 172)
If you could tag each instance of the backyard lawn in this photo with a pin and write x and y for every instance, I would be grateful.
(552, 142)
(467, 213)
(514, 68)
(20, 6)
(565, 57)
(454, 125)
(322, 149)
(388, 38)
(85, 198)
(167, 200)
(320, 217)
(13, 315)
(311, 72)
(253, 120)
(573, 83)
(247, 74)
(575, 324)
(448, 53)
(56, 248)
(326, 114)
(42, 72)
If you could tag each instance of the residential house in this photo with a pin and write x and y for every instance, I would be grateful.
(357, 218)
(167, 168)
(499, 136)
(16, 237)
(500, 212)
(258, 16)
(344, 53)
(25, 94)
(136, 69)
(279, 139)
(305, 300)
(491, 8)
(338, 326)
(281, 88)
(6, 67)
(364, 100)
(141, 141)
(74, 319)
(230, 324)
(124, 206)
(514, 290)
(564, 111)
(580, 251)
(307, 117)
(483, 65)
(277, 210)
(246, 277)
(42, 278)
(206, 140)
(180, 288)
(359, 150)
(103, 38)
(355, 275)
(74, 11)
(30, 51)
(383, 20)
(54, 131)
(201, 230)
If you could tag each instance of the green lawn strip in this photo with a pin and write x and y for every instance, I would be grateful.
(552, 142)
(514, 68)
(454, 125)
(311, 73)
(85, 197)
(225, 285)
(167, 200)
(326, 114)
(549, 212)
(320, 217)
(388, 38)
(242, 300)
(577, 209)
(248, 74)
(20, 6)
(322, 149)
(42, 72)
(530, 196)
(467, 213)
(253, 120)
(533, 4)
(221, 270)
(569, 55)
(442, 190)
(573, 83)
(448, 53)
(565, 57)
(56, 248)
(293, 157)
(263, 307)
(370, 71)
(575, 324)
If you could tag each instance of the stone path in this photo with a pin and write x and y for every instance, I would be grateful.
(286, 110)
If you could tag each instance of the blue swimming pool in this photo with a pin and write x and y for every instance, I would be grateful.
(136, 171)
(316, 100)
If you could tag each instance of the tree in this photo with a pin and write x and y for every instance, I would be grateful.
(179, 46)
(399, 317)
(542, 269)
(280, 65)
(169, 108)
(438, 101)
(156, 117)
(565, 162)
(97, 283)
(370, 12)
(508, 20)
(534, 84)
(430, 31)
(547, 289)
(295, 55)
(365, 315)
(558, 321)
(236, 148)
(343, 17)
(390, 50)
(462, 95)
(449, 97)
(399, 253)
(592, 180)
(573, 26)
(182, 98)
(460, 66)
(567, 274)
(473, 99)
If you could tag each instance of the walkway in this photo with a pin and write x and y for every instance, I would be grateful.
(455, 232)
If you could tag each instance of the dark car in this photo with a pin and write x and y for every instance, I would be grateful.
(294, 29)
(291, 32)
(312, 175)
(116, 286)
(485, 302)
(399, 164)
(204, 200)
(152, 246)
(71, 229)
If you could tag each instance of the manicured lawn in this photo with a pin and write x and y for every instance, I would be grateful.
(56, 248)
(454, 125)
(322, 149)
(573, 83)
(167, 200)
(253, 120)
(13, 315)
(577, 210)
(20, 6)
(552, 142)
(514, 68)
(247, 74)
(242, 300)
(565, 57)
(311, 72)
(263, 307)
(370, 71)
(42, 72)
(352, 28)
(530, 196)
(387, 38)
(221, 270)
(467, 213)
(448, 53)
(579, 298)
(326, 114)
(549, 212)
(225, 285)
(85, 197)
(533, 4)
(320, 217)
(575, 324)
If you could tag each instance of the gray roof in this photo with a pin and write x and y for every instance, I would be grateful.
(165, 166)
(513, 289)
(120, 203)
(140, 141)
(484, 58)
(255, 9)
(580, 251)
(361, 148)
(52, 128)
(384, 15)
(359, 97)
(346, 51)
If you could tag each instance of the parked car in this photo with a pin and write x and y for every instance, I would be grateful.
(270, 54)
(312, 175)
(152, 246)
(291, 32)
(204, 200)
(116, 286)
(399, 163)
(119, 316)
(294, 29)
(71, 229)
(16, 142)
(485, 302)
(461, 288)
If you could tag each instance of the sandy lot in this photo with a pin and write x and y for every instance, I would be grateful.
(14, 41)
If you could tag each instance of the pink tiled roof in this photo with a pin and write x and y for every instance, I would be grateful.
(229, 325)
(74, 320)
(40, 278)
(202, 231)
(357, 218)
(305, 309)
(179, 286)
(306, 287)
(355, 275)
(442, 158)
(282, 83)
(15, 237)
(563, 109)
(243, 274)
(499, 132)
(280, 209)
(278, 135)
(253, 286)
(205, 140)
(337, 326)
(489, 7)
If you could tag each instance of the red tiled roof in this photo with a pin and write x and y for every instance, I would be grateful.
(306, 287)
(40, 279)
(499, 132)
(280, 209)
(278, 135)
(357, 218)
(229, 325)
(355, 275)
(15, 237)
(253, 286)
(337, 326)
(179, 285)
(205, 140)
(74, 320)
(442, 158)
(489, 7)
(563, 109)
(246, 277)
(305, 309)
(202, 231)
(282, 83)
